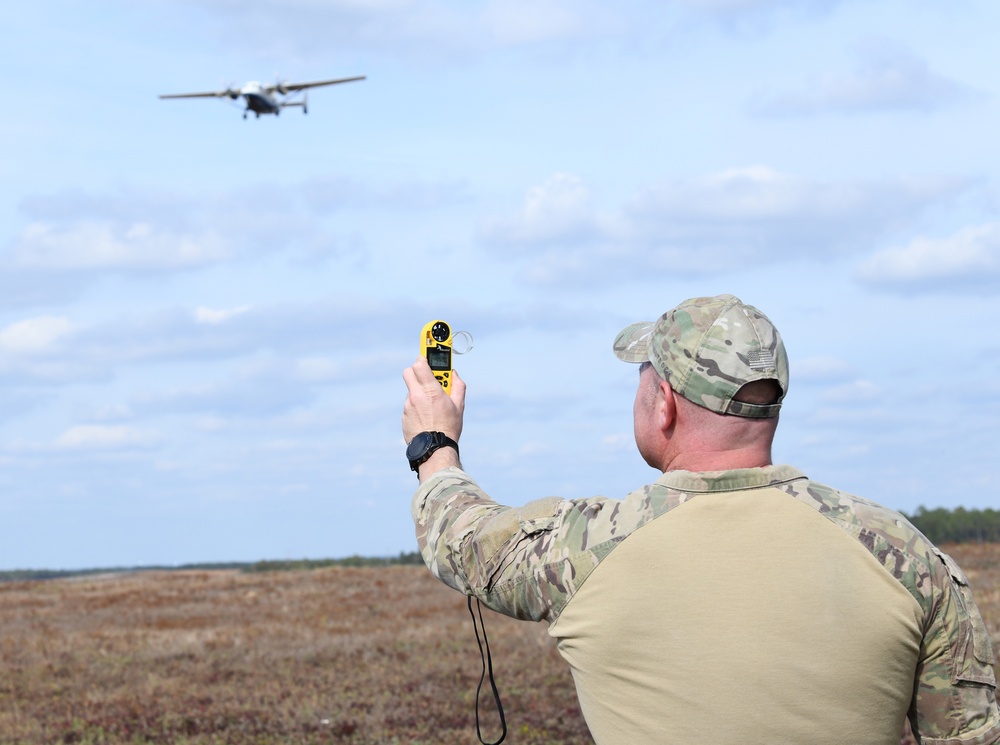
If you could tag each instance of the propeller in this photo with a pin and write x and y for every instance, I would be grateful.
(231, 90)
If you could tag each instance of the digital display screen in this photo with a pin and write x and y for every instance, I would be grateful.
(439, 358)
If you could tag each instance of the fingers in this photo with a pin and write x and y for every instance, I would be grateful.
(419, 374)
(427, 407)
(410, 378)
(458, 391)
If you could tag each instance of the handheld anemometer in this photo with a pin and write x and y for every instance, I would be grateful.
(436, 345)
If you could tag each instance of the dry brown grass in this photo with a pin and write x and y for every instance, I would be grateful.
(375, 655)
(343, 655)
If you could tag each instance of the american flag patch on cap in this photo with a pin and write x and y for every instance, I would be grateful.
(762, 360)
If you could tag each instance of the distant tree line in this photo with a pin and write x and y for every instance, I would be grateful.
(20, 575)
(958, 525)
(405, 557)
(940, 525)
(412, 557)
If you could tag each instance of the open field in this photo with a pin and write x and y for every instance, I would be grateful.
(341, 655)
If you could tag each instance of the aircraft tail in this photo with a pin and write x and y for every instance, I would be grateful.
(303, 103)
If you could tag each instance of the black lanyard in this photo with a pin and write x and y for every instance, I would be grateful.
(487, 665)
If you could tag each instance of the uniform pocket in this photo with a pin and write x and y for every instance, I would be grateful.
(974, 654)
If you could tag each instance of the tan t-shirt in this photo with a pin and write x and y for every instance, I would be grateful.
(769, 624)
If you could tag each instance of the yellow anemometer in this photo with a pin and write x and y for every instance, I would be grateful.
(435, 345)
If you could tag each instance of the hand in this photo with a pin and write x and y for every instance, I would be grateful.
(427, 407)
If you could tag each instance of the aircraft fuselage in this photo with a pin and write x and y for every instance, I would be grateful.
(261, 103)
(258, 100)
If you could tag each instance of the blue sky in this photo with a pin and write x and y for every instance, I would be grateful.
(203, 320)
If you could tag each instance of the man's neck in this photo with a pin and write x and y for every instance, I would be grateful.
(719, 460)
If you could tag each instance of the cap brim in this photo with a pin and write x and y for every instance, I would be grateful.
(632, 342)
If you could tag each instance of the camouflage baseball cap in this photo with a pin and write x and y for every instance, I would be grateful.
(707, 348)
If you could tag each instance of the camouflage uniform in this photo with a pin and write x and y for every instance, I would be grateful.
(534, 561)
(529, 562)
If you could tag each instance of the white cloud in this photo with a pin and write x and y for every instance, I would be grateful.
(560, 209)
(714, 223)
(321, 194)
(886, 78)
(750, 16)
(214, 317)
(72, 234)
(818, 369)
(320, 370)
(226, 399)
(858, 418)
(34, 335)
(856, 392)
(423, 28)
(750, 193)
(87, 437)
(970, 256)
(617, 443)
(517, 22)
(106, 245)
(111, 413)
(300, 342)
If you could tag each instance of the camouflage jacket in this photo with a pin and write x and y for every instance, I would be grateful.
(528, 562)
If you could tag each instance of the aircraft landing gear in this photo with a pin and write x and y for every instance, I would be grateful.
(244, 115)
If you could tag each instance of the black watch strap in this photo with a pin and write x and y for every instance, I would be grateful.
(423, 446)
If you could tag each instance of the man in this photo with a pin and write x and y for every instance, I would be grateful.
(732, 600)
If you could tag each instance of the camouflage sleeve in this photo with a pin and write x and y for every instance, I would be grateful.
(524, 562)
(954, 699)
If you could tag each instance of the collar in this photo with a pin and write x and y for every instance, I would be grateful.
(736, 479)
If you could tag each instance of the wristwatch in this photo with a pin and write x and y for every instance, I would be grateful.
(421, 447)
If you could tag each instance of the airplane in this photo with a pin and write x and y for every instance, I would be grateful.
(261, 98)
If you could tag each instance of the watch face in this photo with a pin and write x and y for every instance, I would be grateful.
(419, 445)
(423, 445)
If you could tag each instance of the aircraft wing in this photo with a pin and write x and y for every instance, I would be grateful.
(286, 87)
(231, 93)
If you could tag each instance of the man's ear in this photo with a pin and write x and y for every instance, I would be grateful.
(666, 407)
